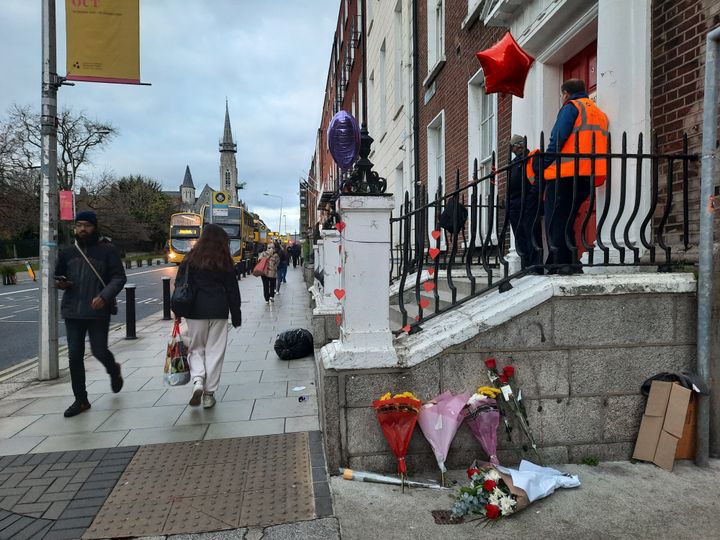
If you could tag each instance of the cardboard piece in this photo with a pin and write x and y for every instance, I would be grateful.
(663, 424)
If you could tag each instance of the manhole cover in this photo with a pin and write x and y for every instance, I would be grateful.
(209, 486)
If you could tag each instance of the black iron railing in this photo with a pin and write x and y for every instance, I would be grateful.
(639, 224)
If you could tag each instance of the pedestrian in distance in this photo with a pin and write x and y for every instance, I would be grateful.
(522, 209)
(283, 263)
(91, 274)
(270, 275)
(294, 252)
(580, 128)
(216, 294)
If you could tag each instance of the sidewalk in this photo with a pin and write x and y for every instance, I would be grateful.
(168, 467)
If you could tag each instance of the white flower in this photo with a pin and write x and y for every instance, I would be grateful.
(494, 499)
(498, 492)
(493, 475)
(506, 505)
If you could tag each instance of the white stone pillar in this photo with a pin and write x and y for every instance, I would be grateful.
(331, 263)
(365, 337)
(319, 260)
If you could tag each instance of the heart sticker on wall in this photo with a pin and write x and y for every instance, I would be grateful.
(431, 271)
(435, 234)
(417, 317)
(433, 252)
(428, 286)
(424, 302)
(338, 319)
(406, 328)
(339, 293)
(339, 269)
(340, 226)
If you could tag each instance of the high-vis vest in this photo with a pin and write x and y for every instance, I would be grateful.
(590, 122)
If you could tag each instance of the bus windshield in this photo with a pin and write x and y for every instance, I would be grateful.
(235, 247)
(183, 245)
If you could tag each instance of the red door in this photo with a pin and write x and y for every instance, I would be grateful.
(583, 66)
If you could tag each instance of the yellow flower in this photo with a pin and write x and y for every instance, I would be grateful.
(406, 395)
(488, 391)
(385, 397)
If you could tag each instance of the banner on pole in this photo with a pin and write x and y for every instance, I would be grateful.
(103, 41)
(67, 205)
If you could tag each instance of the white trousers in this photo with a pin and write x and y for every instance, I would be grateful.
(208, 341)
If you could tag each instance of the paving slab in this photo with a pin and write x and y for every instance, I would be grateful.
(284, 407)
(247, 428)
(233, 411)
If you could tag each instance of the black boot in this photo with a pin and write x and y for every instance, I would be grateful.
(116, 380)
(76, 408)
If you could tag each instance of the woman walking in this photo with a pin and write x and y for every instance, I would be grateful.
(268, 279)
(215, 293)
(283, 262)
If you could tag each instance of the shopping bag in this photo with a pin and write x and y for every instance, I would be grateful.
(261, 267)
(177, 368)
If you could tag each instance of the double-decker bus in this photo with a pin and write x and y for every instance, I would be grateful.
(185, 229)
(233, 226)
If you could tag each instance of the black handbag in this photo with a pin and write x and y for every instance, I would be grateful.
(182, 298)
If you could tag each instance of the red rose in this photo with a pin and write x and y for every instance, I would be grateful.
(490, 363)
(489, 485)
(508, 371)
(503, 379)
(492, 511)
(471, 471)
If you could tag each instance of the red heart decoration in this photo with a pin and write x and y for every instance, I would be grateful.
(435, 234)
(406, 328)
(417, 317)
(428, 286)
(339, 269)
(433, 252)
(424, 302)
(431, 271)
(340, 226)
(338, 319)
(339, 293)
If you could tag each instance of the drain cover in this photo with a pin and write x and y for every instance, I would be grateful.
(209, 486)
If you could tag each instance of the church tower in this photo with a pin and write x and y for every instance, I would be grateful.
(187, 190)
(228, 166)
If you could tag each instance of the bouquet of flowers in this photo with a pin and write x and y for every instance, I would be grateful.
(491, 495)
(483, 419)
(511, 402)
(439, 421)
(397, 416)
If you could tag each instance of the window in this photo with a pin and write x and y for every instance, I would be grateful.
(398, 83)
(436, 32)
(436, 165)
(382, 87)
(472, 5)
(227, 177)
(482, 141)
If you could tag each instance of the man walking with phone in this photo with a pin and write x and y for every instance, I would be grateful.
(92, 275)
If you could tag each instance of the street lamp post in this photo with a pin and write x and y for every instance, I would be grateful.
(281, 207)
(285, 218)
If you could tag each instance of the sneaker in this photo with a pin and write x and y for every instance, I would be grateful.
(197, 393)
(267, 302)
(116, 380)
(76, 408)
(208, 401)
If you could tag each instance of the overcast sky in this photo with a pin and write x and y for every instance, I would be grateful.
(268, 57)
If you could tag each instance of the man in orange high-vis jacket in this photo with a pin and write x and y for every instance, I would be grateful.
(580, 127)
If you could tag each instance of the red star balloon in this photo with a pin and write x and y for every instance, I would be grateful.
(506, 66)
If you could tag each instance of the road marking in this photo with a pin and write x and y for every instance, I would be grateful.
(17, 292)
(26, 309)
(18, 321)
(147, 271)
(7, 317)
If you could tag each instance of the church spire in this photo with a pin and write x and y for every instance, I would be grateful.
(188, 181)
(227, 144)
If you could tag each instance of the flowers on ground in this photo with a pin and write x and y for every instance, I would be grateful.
(488, 496)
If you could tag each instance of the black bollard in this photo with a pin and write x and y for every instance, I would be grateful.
(130, 311)
(166, 299)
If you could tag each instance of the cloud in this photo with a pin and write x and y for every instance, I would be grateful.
(269, 58)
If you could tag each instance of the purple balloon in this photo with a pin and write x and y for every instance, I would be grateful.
(344, 139)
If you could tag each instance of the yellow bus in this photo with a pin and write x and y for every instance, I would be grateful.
(185, 229)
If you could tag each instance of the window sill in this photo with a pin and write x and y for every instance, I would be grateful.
(473, 16)
(434, 71)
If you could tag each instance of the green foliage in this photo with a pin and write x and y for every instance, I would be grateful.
(7, 270)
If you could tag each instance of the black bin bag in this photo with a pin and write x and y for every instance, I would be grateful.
(293, 344)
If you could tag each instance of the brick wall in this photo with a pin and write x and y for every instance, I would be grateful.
(679, 28)
(451, 92)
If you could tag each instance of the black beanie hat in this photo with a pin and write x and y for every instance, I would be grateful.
(87, 216)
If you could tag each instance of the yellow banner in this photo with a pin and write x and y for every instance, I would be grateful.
(103, 40)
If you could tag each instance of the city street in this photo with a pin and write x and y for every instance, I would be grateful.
(19, 306)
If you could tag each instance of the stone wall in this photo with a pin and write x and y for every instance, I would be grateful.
(580, 362)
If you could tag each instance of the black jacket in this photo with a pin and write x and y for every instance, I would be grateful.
(516, 180)
(85, 285)
(215, 294)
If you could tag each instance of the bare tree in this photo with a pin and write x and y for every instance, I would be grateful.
(78, 138)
